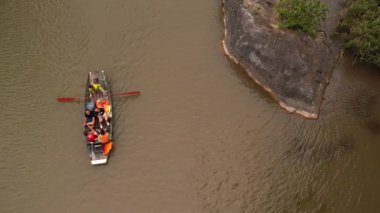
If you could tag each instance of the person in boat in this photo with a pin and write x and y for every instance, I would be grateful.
(104, 136)
(101, 115)
(91, 136)
(89, 119)
(95, 88)
(90, 105)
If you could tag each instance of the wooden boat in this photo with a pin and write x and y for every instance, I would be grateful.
(98, 151)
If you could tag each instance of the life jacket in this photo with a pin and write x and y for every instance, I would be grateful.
(102, 103)
(107, 148)
(104, 138)
(97, 87)
(107, 108)
(94, 88)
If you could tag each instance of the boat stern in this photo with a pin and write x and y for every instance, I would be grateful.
(99, 161)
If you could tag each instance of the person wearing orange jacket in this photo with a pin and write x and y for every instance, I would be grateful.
(104, 137)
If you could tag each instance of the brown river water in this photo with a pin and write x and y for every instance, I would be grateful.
(202, 137)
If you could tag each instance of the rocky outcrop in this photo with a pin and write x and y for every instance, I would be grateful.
(293, 67)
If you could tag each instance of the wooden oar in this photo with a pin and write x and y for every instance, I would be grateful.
(69, 99)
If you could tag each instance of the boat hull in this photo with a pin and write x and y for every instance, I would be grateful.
(99, 152)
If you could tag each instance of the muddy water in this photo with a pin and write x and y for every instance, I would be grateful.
(202, 137)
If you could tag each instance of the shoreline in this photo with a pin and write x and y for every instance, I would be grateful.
(292, 110)
(303, 111)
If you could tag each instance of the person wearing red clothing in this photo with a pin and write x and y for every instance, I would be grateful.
(91, 136)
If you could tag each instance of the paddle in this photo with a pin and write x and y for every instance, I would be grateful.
(69, 99)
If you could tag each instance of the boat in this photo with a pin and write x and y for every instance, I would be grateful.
(98, 151)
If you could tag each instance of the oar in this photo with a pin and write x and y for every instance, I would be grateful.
(69, 99)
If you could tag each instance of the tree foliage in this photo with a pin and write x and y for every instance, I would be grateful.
(362, 25)
(304, 15)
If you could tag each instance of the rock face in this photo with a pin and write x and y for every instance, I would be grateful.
(291, 66)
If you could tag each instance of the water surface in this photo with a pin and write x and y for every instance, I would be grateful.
(202, 137)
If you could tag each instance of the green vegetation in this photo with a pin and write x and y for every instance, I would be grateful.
(362, 25)
(304, 15)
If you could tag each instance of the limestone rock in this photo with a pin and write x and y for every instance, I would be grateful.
(291, 66)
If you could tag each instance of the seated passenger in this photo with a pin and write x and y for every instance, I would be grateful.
(104, 137)
(100, 114)
(90, 135)
(89, 119)
(95, 88)
(90, 105)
